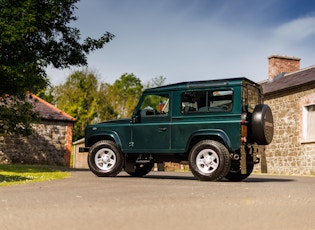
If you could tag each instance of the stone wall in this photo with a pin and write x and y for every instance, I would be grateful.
(49, 144)
(289, 153)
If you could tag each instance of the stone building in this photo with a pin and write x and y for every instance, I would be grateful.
(290, 92)
(50, 143)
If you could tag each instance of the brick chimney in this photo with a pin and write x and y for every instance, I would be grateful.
(282, 64)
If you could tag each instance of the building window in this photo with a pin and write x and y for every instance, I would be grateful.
(309, 123)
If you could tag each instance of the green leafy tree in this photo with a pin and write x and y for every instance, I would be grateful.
(124, 94)
(47, 94)
(103, 105)
(155, 82)
(82, 97)
(33, 35)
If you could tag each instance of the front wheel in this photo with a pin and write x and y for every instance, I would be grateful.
(105, 159)
(209, 160)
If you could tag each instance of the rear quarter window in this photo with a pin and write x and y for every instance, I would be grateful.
(251, 97)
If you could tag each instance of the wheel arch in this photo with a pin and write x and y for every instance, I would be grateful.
(213, 134)
(111, 136)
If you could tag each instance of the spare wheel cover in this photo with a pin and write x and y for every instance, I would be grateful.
(262, 124)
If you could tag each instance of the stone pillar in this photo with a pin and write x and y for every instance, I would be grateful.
(68, 144)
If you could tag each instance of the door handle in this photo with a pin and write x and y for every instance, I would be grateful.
(163, 129)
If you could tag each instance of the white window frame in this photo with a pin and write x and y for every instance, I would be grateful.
(308, 123)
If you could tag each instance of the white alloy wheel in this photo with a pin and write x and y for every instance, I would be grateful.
(207, 161)
(105, 159)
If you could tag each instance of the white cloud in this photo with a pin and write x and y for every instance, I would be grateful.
(296, 30)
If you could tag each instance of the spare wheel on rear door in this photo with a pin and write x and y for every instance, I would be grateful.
(262, 124)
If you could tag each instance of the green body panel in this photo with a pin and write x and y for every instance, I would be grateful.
(185, 129)
(118, 131)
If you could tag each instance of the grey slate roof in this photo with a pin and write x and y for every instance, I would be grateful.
(47, 111)
(288, 81)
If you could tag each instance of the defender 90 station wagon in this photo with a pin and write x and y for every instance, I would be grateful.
(217, 126)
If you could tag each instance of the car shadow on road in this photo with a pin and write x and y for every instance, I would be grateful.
(162, 176)
(187, 176)
(266, 179)
(170, 177)
(248, 180)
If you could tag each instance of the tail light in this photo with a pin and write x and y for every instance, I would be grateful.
(243, 131)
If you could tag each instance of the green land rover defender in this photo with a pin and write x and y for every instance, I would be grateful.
(218, 126)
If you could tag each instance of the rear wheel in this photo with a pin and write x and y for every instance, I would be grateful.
(105, 159)
(209, 160)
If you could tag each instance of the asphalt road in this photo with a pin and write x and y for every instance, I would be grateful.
(160, 200)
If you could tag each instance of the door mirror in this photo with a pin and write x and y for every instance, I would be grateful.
(135, 117)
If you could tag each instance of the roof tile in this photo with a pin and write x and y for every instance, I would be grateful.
(289, 81)
(47, 111)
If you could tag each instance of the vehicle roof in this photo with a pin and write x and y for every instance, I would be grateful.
(203, 84)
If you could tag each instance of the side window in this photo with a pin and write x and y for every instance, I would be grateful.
(221, 101)
(193, 101)
(207, 101)
(155, 105)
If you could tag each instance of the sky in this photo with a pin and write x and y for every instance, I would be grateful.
(187, 40)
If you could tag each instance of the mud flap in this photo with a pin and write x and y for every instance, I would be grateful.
(129, 165)
(263, 162)
(243, 160)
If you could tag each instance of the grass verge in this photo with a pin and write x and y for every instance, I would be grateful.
(14, 174)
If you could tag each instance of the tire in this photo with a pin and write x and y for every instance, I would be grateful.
(141, 169)
(235, 172)
(262, 124)
(105, 159)
(209, 160)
